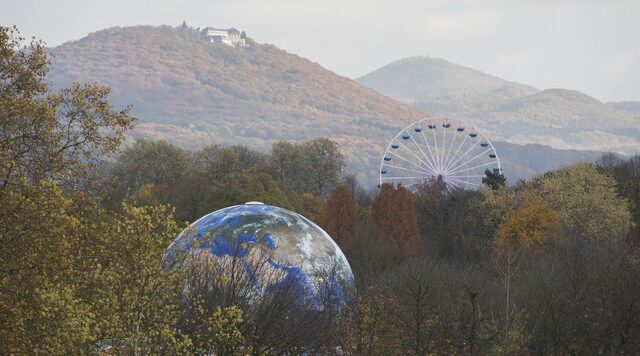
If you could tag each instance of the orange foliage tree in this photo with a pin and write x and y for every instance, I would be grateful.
(393, 214)
(532, 224)
(340, 216)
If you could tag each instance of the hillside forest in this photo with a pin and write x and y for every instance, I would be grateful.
(550, 265)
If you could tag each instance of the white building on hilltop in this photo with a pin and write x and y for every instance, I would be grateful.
(230, 36)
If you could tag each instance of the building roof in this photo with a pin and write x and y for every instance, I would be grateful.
(228, 30)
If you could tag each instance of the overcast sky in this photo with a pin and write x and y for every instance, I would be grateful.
(591, 46)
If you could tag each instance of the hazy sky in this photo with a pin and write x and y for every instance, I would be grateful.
(591, 46)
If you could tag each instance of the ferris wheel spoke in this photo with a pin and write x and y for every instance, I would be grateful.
(421, 151)
(452, 183)
(459, 147)
(435, 143)
(462, 181)
(411, 162)
(414, 154)
(473, 176)
(449, 157)
(444, 142)
(459, 158)
(420, 177)
(426, 143)
(407, 169)
(469, 161)
(468, 169)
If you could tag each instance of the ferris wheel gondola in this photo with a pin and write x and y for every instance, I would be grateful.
(434, 149)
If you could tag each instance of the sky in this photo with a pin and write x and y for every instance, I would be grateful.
(586, 45)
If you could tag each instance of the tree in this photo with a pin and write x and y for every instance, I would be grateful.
(75, 278)
(416, 318)
(393, 214)
(55, 136)
(290, 164)
(146, 162)
(451, 221)
(50, 143)
(137, 301)
(41, 304)
(216, 162)
(530, 225)
(325, 163)
(340, 218)
(586, 200)
(310, 206)
(627, 175)
(494, 180)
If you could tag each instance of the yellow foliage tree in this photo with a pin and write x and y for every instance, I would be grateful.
(531, 224)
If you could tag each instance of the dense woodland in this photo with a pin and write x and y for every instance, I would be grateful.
(545, 266)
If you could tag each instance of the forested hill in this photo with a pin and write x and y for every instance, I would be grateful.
(194, 93)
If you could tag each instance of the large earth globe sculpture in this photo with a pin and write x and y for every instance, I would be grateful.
(295, 250)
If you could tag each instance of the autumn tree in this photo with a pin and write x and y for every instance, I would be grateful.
(310, 206)
(50, 143)
(340, 218)
(46, 135)
(394, 215)
(75, 278)
(532, 224)
(586, 200)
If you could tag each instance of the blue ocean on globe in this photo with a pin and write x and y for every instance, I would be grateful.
(299, 251)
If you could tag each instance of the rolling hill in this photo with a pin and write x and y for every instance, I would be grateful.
(194, 93)
(508, 111)
(631, 108)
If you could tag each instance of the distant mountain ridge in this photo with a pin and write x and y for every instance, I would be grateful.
(509, 111)
(194, 93)
(631, 108)
(418, 79)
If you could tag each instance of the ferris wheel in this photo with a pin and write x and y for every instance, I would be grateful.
(437, 149)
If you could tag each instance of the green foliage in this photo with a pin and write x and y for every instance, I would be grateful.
(145, 162)
(41, 234)
(314, 166)
(494, 180)
(55, 136)
(586, 200)
(324, 163)
(627, 175)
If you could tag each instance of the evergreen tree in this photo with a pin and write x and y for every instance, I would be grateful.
(493, 180)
